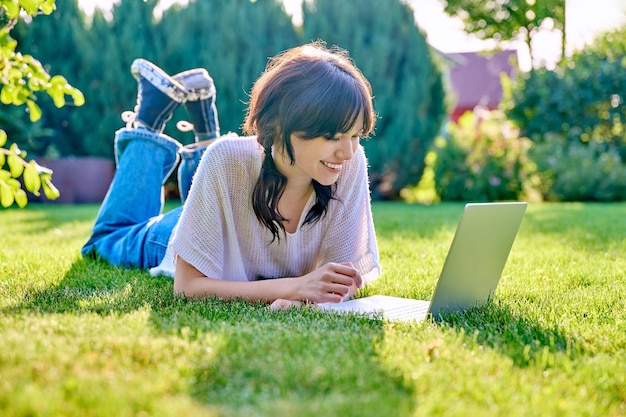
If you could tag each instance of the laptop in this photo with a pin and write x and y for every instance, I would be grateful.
(470, 274)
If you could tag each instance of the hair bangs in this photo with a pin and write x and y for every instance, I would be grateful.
(345, 104)
(330, 107)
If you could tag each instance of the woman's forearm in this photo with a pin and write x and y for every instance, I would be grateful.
(188, 281)
(264, 291)
(330, 283)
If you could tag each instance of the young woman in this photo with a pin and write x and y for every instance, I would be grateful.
(281, 216)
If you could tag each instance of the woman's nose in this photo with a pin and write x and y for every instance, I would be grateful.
(347, 148)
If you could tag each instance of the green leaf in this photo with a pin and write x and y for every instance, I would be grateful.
(21, 96)
(20, 198)
(14, 184)
(6, 95)
(51, 192)
(15, 74)
(3, 140)
(15, 165)
(34, 84)
(34, 110)
(48, 7)
(17, 151)
(6, 195)
(58, 81)
(78, 97)
(32, 182)
(56, 94)
(10, 45)
(12, 10)
(30, 6)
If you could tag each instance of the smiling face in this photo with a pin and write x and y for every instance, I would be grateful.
(308, 110)
(320, 158)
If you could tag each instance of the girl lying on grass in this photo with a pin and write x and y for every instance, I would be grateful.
(282, 216)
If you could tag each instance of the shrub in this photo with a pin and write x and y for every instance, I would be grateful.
(482, 158)
(578, 172)
(582, 100)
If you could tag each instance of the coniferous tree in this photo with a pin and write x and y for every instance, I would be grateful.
(386, 44)
(97, 58)
(232, 39)
(129, 35)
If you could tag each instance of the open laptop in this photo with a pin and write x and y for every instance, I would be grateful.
(471, 271)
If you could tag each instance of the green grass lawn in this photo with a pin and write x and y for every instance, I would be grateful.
(82, 338)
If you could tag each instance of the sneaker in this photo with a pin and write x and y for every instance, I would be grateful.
(199, 103)
(158, 96)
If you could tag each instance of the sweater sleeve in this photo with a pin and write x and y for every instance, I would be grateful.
(350, 234)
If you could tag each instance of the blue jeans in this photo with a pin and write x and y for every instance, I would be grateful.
(130, 229)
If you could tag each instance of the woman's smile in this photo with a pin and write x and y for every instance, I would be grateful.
(335, 167)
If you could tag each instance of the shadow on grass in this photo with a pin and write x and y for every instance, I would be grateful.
(280, 363)
(524, 341)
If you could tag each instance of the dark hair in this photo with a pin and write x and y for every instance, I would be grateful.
(312, 90)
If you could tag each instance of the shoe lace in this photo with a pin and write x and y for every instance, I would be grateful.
(128, 117)
(184, 126)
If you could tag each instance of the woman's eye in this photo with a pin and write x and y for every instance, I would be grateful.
(337, 138)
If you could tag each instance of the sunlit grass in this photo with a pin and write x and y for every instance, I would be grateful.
(81, 337)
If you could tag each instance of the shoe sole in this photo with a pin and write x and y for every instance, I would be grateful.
(202, 92)
(141, 68)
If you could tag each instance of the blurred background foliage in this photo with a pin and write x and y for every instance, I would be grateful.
(233, 39)
(508, 20)
(559, 134)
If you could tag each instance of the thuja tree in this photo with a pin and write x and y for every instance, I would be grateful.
(200, 34)
(21, 78)
(232, 39)
(385, 43)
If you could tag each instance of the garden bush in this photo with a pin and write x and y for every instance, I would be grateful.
(577, 171)
(582, 100)
(481, 158)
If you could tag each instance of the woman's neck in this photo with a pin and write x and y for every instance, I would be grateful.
(298, 186)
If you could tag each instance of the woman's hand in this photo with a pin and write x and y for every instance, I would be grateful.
(330, 283)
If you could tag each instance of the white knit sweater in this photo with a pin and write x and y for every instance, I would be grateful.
(219, 234)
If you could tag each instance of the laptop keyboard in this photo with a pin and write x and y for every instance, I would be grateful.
(408, 312)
